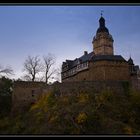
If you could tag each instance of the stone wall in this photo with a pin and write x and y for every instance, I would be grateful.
(135, 83)
(93, 87)
(26, 93)
(103, 70)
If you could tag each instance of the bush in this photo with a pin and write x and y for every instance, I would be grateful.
(81, 118)
(5, 95)
(102, 113)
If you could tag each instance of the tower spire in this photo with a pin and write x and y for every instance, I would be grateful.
(101, 22)
(130, 55)
(102, 27)
(102, 41)
(102, 12)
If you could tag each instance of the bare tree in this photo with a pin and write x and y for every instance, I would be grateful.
(49, 70)
(58, 73)
(32, 66)
(7, 70)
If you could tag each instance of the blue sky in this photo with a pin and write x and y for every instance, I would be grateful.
(65, 31)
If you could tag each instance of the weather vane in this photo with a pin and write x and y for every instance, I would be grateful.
(102, 12)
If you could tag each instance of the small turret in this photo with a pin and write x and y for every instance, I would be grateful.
(130, 61)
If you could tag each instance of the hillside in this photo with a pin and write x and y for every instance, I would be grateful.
(81, 113)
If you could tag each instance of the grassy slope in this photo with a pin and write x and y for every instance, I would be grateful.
(102, 113)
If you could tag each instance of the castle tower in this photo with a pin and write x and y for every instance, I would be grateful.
(131, 66)
(102, 41)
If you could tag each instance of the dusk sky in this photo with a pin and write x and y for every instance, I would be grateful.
(65, 31)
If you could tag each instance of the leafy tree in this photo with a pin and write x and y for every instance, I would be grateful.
(6, 86)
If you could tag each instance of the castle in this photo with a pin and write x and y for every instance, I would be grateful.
(101, 64)
(93, 71)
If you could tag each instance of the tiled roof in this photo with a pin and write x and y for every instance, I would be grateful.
(86, 57)
(92, 57)
(69, 62)
(108, 57)
(82, 59)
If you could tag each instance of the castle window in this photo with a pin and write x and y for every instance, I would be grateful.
(33, 91)
(70, 72)
(84, 64)
(77, 66)
(66, 73)
(63, 75)
(74, 70)
(87, 64)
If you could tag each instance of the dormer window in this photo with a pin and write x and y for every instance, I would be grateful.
(79, 61)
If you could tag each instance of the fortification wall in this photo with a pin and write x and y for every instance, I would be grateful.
(25, 93)
(28, 93)
(103, 70)
(68, 88)
(135, 83)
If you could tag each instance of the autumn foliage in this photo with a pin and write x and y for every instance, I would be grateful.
(106, 112)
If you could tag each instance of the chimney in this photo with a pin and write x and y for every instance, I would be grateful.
(85, 52)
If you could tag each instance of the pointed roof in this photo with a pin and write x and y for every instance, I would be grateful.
(102, 27)
(130, 61)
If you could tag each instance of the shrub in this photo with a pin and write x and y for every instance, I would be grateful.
(83, 98)
(81, 118)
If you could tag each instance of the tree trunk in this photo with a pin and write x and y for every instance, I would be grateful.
(33, 78)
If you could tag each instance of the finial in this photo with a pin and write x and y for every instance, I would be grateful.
(102, 12)
(130, 55)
